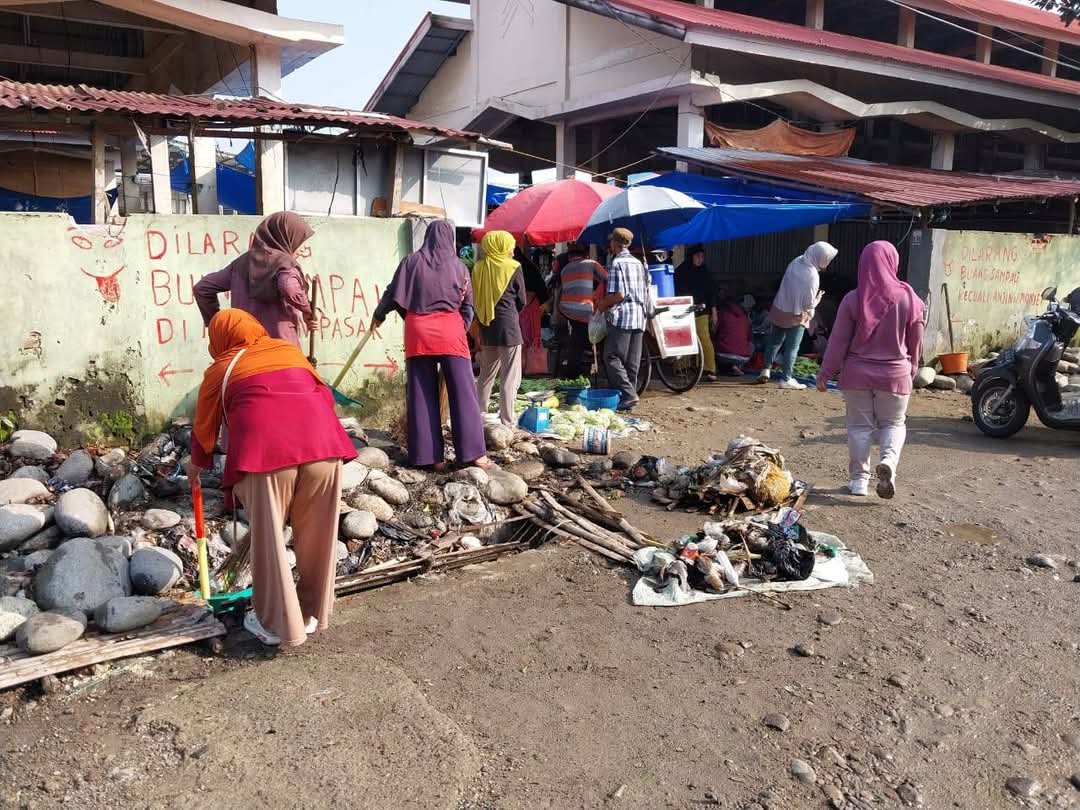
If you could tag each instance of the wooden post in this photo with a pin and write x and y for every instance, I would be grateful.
(160, 175)
(905, 35)
(98, 198)
(1050, 57)
(983, 45)
(815, 14)
(193, 184)
(398, 179)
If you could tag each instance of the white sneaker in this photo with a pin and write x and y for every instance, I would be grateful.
(791, 385)
(859, 488)
(254, 626)
(886, 481)
(312, 625)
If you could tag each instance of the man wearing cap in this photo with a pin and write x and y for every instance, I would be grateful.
(625, 305)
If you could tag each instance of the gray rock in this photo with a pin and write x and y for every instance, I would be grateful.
(498, 436)
(33, 473)
(121, 545)
(14, 611)
(342, 552)
(22, 490)
(909, 794)
(558, 457)
(1023, 786)
(1074, 780)
(47, 539)
(32, 444)
(127, 613)
(373, 458)
(81, 575)
(127, 493)
(154, 570)
(81, 513)
(112, 465)
(19, 522)
(393, 492)
(900, 680)
(471, 475)
(1042, 561)
(924, 377)
(411, 478)
(529, 469)
(943, 383)
(505, 488)
(77, 468)
(48, 632)
(804, 649)
(625, 460)
(527, 449)
(160, 519)
(964, 384)
(776, 721)
(353, 474)
(359, 525)
(233, 533)
(830, 618)
(371, 503)
(803, 772)
(33, 561)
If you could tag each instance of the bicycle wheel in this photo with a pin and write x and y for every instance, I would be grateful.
(680, 374)
(644, 375)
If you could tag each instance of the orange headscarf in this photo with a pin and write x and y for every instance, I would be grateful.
(232, 330)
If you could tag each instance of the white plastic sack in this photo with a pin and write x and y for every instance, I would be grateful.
(597, 328)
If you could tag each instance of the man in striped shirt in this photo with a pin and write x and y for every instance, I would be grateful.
(626, 305)
(582, 284)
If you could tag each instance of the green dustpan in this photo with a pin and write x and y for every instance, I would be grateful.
(227, 602)
(340, 398)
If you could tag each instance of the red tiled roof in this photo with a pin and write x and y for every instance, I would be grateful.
(251, 111)
(894, 186)
(701, 18)
(1004, 14)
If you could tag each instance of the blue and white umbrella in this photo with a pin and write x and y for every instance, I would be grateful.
(645, 210)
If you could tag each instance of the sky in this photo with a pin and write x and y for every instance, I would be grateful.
(375, 32)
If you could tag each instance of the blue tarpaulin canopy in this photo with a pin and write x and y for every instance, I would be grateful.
(79, 208)
(497, 195)
(737, 208)
(236, 190)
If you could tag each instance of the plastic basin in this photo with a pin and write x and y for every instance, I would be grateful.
(595, 399)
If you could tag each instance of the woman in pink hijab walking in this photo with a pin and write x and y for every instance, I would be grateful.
(875, 347)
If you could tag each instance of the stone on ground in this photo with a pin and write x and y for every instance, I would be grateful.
(505, 488)
(393, 492)
(558, 457)
(471, 475)
(32, 444)
(373, 457)
(112, 465)
(21, 490)
(498, 436)
(48, 632)
(529, 469)
(127, 613)
(924, 377)
(359, 525)
(14, 610)
(32, 472)
(81, 513)
(964, 384)
(154, 570)
(122, 545)
(410, 477)
(77, 468)
(127, 493)
(81, 575)
(625, 460)
(45, 539)
(353, 474)
(372, 503)
(160, 519)
(527, 449)
(943, 383)
(20, 521)
(233, 533)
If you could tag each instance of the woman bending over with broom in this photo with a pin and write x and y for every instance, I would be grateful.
(431, 291)
(261, 389)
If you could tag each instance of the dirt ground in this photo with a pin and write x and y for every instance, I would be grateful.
(533, 682)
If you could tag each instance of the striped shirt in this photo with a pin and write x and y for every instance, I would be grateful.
(582, 284)
(628, 276)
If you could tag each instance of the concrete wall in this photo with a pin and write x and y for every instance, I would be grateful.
(993, 279)
(103, 319)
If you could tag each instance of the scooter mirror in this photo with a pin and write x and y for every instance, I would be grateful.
(1049, 294)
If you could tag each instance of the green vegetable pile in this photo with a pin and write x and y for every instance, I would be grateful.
(806, 368)
(547, 384)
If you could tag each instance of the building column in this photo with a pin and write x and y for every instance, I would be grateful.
(691, 129)
(944, 151)
(815, 14)
(1034, 157)
(905, 34)
(160, 175)
(983, 45)
(269, 154)
(99, 201)
(706, 3)
(1050, 57)
(129, 167)
(204, 174)
(565, 150)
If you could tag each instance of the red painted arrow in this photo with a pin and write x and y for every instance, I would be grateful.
(166, 372)
(390, 364)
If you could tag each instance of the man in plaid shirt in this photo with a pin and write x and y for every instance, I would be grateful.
(625, 304)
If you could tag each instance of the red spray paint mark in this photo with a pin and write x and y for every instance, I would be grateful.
(108, 286)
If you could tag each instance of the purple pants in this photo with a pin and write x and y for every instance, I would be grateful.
(425, 428)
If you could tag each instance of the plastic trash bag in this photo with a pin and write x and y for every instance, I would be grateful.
(467, 505)
(597, 328)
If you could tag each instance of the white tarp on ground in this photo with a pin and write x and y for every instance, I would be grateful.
(845, 569)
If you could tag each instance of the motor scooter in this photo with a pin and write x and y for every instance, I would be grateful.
(1022, 377)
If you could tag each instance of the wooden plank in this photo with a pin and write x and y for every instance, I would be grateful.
(79, 60)
(398, 179)
(180, 625)
(99, 200)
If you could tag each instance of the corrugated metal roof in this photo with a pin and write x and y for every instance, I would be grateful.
(252, 111)
(701, 18)
(1005, 14)
(892, 186)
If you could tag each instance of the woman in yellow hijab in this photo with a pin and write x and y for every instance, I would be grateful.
(499, 295)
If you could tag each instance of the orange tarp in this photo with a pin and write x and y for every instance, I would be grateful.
(784, 139)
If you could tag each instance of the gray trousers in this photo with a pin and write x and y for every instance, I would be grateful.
(622, 357)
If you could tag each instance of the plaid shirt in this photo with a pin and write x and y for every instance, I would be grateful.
(628, 276)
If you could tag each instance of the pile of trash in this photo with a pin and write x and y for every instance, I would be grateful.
(748, 477)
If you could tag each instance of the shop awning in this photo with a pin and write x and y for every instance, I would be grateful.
(737, 208)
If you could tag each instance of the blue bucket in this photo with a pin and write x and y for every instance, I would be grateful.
(595, 399)
(663, 279)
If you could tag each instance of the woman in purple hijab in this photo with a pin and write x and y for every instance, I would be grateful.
(431, 291)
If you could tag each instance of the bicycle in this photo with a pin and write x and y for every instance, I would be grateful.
(679, 373)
